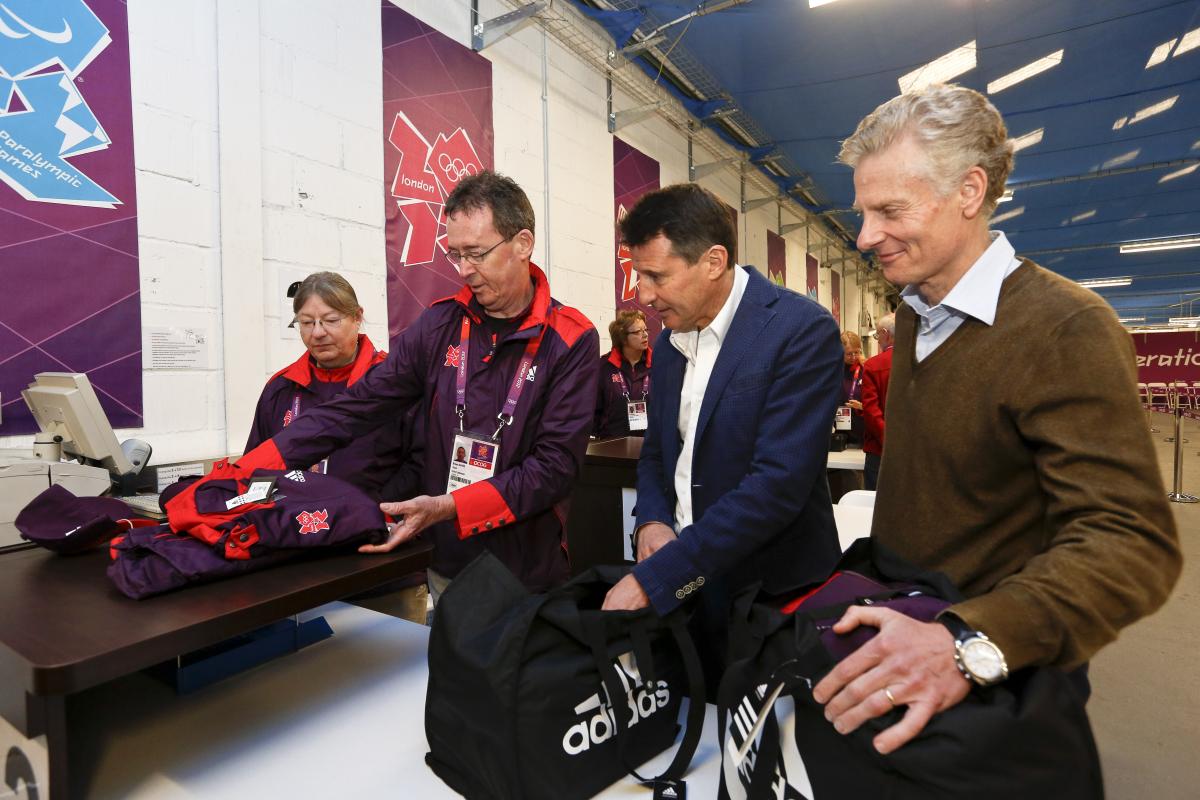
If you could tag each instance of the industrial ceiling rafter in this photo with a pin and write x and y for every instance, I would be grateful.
(589, 43)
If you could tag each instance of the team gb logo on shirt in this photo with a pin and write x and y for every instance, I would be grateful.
(313, 521)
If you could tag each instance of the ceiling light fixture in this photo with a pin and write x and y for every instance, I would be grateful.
(1179, 173)
(941, 69)
(1147, 112)
(1151, 245)
(1124, 158)
(819, 3)
(1006, 197)
(1083, 216)
(1160, 53)
(1190, 321)
(1189, 41)
(1131, 319)
(1007, 215)
(1104, 283)
(1026, 72)
(1028, 140)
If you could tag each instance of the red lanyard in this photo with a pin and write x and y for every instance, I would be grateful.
(524, 375)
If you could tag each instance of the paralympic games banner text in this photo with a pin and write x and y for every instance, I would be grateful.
(1166, 357)
(437, 127)
(634, 174)
(68, 212)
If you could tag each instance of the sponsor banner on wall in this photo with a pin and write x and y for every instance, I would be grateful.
(835, 290)
(1166, 357)
(68, 210)
(810, 275)
(776, 259)
(437, 129)
(634, 174)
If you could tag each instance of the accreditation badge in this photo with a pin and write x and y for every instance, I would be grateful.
(842, 420)
(636, 410)
(321, 467)
(473, 458)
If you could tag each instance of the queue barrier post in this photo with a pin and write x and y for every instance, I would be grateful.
(1177, 495)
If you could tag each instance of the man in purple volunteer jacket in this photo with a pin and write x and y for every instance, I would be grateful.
(503, 371)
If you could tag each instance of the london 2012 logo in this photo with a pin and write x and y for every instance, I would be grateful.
(45, 120)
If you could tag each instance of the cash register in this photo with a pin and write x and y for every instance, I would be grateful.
(76, 448)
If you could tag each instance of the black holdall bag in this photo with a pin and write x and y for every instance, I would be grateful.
(1026, 737)
(518, 703)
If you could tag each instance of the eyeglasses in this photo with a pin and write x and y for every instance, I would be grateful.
(474, 259)
(330, 324)
(639, 332)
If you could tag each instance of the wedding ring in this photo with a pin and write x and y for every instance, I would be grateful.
(887, 692)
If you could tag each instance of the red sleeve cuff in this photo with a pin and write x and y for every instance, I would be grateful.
(265, 456)
(480, 509)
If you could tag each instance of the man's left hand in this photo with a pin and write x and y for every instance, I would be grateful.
(415, 516)
(626, 595)
(912, 660)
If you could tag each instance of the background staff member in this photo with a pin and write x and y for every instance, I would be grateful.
(624, 378)
(852, 365)
(500, 369)
(384, 463)
(876, 373)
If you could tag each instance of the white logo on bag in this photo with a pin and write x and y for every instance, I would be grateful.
(642, 700)
(791, 777)
(295, 475)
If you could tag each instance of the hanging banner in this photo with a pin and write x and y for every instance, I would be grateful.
(776, 259)
(437, 128)
(835, 290)
(634, 174)
(68, 210)
(1168, 357)
(810, 275)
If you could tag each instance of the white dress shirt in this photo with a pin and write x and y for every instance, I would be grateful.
(700, 348)
(976, 294)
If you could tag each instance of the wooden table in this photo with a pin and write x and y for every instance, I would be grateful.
(64, 627)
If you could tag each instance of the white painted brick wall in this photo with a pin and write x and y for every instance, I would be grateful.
(322, 136)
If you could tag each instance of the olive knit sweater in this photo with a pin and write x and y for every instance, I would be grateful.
(1018, 462)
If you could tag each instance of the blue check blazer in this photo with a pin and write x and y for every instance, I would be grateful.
(760, 496)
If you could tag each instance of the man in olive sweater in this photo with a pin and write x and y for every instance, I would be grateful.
(1032, 485)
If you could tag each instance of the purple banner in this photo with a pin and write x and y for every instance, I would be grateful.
(776, 259)
(68, 211)
(810, 275)
(1167, 357)
(835, 291)
(437, 127)
(634, 174)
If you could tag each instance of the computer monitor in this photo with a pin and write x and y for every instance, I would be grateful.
(64, 404)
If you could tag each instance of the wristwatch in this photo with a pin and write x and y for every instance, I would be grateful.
(977, 657)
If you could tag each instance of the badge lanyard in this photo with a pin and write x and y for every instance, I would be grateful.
(856, 384)
(515, 388)
(321, 466)
(625, 386)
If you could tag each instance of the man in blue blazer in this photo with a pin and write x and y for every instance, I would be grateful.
(747, 375)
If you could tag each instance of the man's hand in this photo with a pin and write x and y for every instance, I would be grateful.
(912, 660)
(855, 404)
(415, 516)
(627, 595)
(651, 537)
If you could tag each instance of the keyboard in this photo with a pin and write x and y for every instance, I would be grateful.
(144, 504)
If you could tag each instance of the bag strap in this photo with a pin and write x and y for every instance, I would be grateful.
(594, 629)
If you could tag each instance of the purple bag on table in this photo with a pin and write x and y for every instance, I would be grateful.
(58, 520)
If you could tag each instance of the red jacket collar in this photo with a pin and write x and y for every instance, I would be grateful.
(616, 358)
(539, 309)
(303, 371)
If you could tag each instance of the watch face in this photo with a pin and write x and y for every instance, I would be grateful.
(983, 659)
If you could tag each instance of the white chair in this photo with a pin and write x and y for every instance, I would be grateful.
(858, 497)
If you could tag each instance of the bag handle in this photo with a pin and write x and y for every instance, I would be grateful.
(593, 628)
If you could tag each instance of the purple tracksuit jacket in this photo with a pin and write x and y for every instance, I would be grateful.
(519, 513)
(384, 462)
(619, 383)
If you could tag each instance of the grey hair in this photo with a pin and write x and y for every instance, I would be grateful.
(887, 322)
(957, 127)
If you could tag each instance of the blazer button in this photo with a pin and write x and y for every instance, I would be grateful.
(679, 594)
(700, 581)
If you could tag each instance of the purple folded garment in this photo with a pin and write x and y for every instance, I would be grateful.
(58, 520)
(850, 587)
(150, 561)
